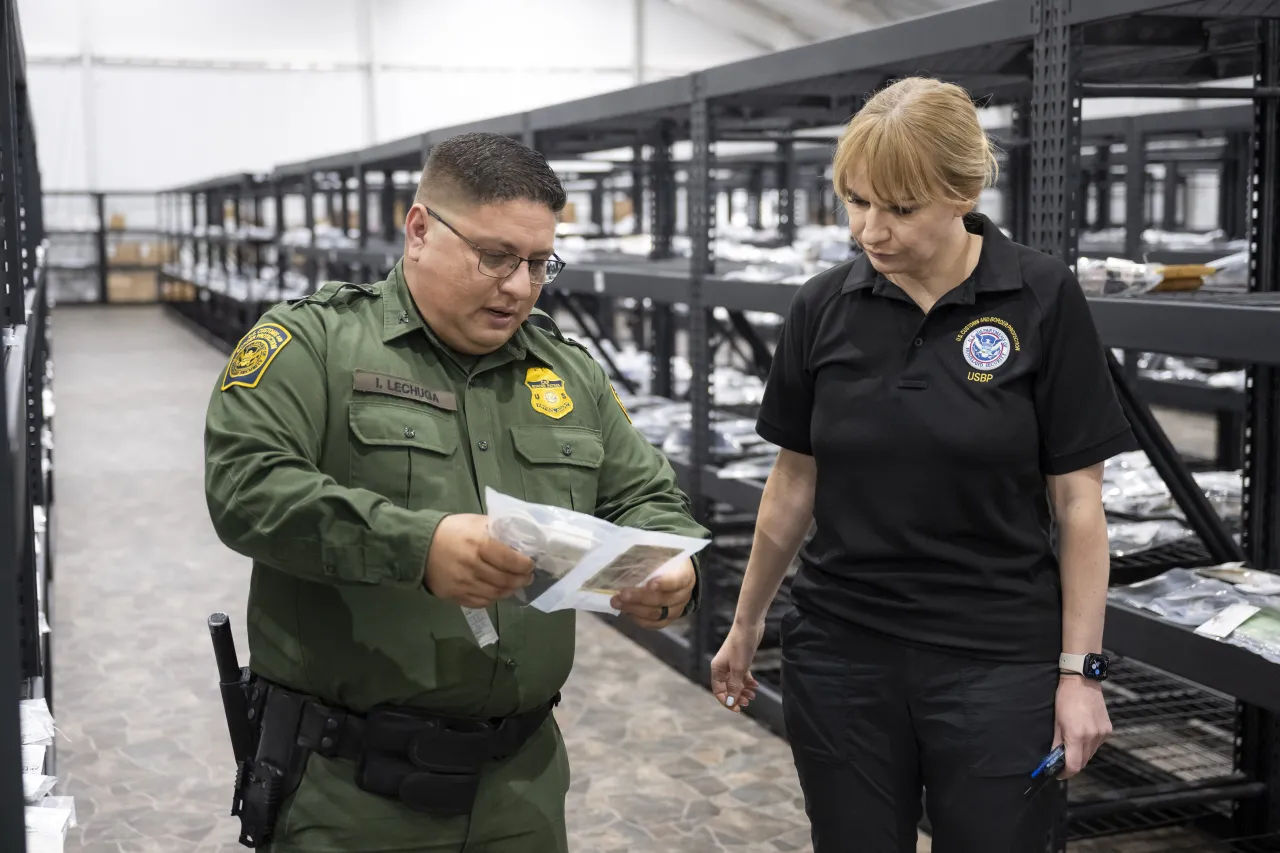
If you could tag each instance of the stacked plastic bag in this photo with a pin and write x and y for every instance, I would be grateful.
(48, 818)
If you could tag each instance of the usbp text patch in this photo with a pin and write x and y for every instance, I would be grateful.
(254, 354)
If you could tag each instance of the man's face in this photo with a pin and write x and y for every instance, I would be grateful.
(472, 311)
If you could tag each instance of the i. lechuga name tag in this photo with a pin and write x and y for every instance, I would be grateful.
(393, 386)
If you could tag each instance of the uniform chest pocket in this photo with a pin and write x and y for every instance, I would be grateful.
(405, 453)
(559, 465)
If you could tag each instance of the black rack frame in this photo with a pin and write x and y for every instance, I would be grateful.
(25, 671)
(102, 235)
(1042, 57)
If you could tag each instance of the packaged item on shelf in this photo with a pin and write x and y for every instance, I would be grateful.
(37, 722)
(1134, 537)
(46, 829)
(1260, 634)
(35, 786)
(1115, 276)
(1182, 596)
(730, 439)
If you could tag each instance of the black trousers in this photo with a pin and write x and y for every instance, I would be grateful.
(873, 723)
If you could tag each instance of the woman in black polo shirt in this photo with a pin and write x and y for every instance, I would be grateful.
(940, 402)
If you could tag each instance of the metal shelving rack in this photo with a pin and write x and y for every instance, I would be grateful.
(25, 465)
(1042, 57)
(95, 225)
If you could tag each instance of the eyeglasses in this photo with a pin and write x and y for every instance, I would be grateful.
(502, 264)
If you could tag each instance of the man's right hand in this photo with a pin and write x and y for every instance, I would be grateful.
(467, 566)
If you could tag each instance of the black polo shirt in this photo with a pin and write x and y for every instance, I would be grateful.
(932, 436)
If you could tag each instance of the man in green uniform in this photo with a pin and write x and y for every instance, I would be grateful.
(349, 442)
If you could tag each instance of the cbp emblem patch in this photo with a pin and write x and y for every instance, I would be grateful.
(547, 393)
(254, 354)
(987, 347)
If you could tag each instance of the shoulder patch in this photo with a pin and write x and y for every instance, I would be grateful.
(254, 354)
(618, 400)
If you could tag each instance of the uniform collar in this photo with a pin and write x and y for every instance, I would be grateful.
(999, 267)
(401, 317)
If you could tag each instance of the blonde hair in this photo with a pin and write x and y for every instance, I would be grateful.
(918, 141)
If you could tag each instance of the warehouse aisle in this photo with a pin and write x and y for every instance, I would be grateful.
(656, 766)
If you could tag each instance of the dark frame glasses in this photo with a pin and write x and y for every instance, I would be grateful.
(503, 264)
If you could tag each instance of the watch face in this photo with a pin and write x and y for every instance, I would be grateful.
(1095, 667)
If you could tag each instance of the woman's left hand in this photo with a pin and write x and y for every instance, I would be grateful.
(1081, 721)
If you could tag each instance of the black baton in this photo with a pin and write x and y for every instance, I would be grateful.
(231, 683)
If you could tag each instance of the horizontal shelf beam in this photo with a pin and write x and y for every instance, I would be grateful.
(1227, 329)
(1214, 664)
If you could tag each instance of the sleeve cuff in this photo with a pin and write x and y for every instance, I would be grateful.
(1065, 463)
(396, 552)
(782, 438)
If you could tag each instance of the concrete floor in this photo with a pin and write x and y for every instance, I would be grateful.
(657, 766)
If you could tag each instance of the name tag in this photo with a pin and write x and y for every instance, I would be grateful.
(393, 386)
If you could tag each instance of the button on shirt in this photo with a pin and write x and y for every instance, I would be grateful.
(932, 435)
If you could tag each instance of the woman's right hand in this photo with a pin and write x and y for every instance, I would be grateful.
(731, 679)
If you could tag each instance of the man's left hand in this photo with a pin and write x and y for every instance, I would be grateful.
(671, 589)
(1081, 723)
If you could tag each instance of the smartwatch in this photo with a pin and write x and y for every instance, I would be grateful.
(1091, 666)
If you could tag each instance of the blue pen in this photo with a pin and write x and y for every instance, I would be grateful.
(1049, 768)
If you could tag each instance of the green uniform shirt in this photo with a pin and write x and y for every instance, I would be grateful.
(339, 435)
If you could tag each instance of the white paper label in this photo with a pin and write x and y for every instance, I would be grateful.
(481, 626)
(33, 759)
(1221, 626)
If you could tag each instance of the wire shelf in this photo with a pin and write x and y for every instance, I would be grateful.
(1177, 841)
(1132, 568)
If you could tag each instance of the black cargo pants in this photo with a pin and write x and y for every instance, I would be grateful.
(872, 722)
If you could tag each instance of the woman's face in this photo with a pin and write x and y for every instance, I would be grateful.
(897, 240)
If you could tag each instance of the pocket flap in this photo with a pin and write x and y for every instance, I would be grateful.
(557, 444)
(391, 425)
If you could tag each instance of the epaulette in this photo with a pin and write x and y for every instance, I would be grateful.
(330, 289)
(542, 320)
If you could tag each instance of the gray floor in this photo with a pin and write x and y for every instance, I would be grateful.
(657, 767)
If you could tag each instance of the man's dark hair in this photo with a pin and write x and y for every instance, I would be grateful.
(483, 168)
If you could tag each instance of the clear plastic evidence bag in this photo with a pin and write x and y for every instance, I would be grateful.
(580, 561)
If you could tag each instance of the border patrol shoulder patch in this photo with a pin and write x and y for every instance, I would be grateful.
(618, 400)
(254, 354)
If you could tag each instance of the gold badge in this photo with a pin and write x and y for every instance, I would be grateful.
(254, 354)
(618, 400)
(548, 394)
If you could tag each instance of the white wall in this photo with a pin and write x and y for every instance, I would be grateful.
(177, 90)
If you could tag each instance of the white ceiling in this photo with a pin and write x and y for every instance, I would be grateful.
(780, 24)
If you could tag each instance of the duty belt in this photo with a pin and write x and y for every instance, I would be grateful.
(431, 763)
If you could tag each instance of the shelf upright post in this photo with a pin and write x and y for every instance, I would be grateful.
(1258, 740)
(700, 192)
(787, 191)
(755, 196)
(662, 226)
(100, 238)
(637, 188)
(1135, 189)
(1018, 193)
(12, 820)
(1055, 167)
(282, 253)
(1102, 186)
(309, 198)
